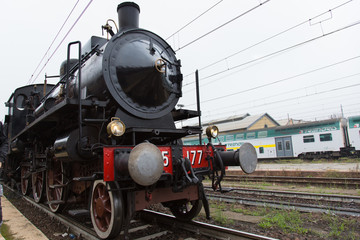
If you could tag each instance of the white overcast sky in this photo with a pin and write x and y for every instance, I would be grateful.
(310, 81)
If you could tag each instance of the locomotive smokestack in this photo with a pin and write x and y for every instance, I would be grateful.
(128, 13)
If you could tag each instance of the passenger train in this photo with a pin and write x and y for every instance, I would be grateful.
(330, 138)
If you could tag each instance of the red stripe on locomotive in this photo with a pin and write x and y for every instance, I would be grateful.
(197, 155)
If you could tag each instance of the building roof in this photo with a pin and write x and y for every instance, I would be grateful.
(227, 119)
(242, 122)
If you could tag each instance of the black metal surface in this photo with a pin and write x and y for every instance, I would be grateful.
(198, 103)
(92, 43)
(245, 157)
(132, 78)
(128, 14)
(20, 105)
(183, 114)
(79, 83)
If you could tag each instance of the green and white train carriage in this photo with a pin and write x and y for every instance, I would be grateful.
(354, 132)
(328, 138)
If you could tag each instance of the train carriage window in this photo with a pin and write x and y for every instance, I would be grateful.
(221, 138)
(262, 134)
(308, 139)
(279, 146)
(240, 136)
(250, 135)
(261, 149)
(229, 138)
(287, 146)
(325, 137)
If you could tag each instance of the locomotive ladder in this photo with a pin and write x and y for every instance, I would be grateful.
(79, 80)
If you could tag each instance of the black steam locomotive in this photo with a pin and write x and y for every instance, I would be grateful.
(103, 139)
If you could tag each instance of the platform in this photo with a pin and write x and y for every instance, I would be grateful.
(19, 225)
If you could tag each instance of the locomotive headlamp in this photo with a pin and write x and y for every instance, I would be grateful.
(115, 127)
(212, 132)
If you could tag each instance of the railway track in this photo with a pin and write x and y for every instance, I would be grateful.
(144, 228)
(323, 181)
(307, 202)
(199, 227)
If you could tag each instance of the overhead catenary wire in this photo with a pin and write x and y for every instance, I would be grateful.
(288, 92)
(284, 49)
(62, 40)
(303, 96)
(266, 39)
(280, 80)
(252, 107)
(265, 101)
(67, 18)
(305, 114)
(194, 19)
(263, 59)
(222, 25)
(309, 113)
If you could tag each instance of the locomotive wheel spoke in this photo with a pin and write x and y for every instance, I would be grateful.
(24, 181)
(38, 185)
(54, 185)
(106, 209)
(186, 210)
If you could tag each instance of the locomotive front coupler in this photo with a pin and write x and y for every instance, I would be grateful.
(182, 177)
(186, 167)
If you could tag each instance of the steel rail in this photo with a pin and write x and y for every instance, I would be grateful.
(300, 195)
(199, 227)
(286, 205)
(348, 182)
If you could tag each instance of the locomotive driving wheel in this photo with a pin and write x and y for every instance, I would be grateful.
(55, 187)
(38, 185)
(24, 179)
(106, 209)
(186, 210)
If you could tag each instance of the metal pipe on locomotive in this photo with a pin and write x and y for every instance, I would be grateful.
(104, 137)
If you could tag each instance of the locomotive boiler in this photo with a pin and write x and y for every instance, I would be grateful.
(103, 140)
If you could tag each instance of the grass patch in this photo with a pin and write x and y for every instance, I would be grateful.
(287, 221)
(7, 234)
(318, 225)
(254, 212)
(341, 228)
(218, 205)
(220, 218)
